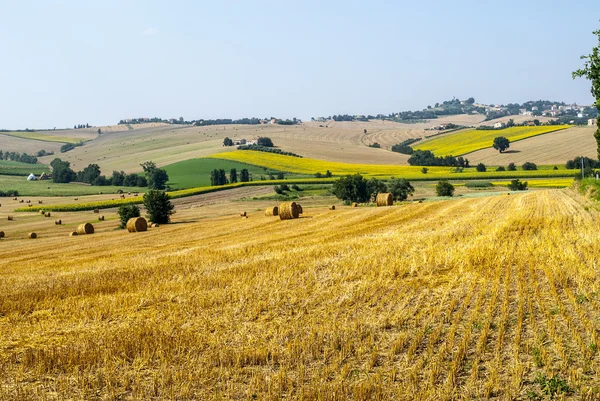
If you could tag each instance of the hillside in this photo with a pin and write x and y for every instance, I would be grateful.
(356, 303)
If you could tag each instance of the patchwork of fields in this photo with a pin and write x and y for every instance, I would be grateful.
(468, 141)
(356, 303)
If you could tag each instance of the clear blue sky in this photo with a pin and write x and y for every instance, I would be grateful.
(69, 62)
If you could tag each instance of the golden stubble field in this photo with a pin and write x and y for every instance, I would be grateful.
(491, 297)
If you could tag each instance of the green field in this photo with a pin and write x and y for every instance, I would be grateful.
(41, 137)
(49, 188)
(196, 172)
(8, 167)
(464, 142)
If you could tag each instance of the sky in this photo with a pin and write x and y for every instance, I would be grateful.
(74, 62)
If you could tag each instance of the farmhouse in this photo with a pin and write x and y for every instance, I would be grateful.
(591, 121)
(499, 125)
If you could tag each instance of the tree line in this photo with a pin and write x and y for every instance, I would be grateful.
(18, 157)
(219, 177)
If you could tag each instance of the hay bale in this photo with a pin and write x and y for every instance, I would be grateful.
(288, 211)
(42, 212)
(332, 207)
(385, 199)
(100, 218)
(243, 214)
(76, 199)
(137, 224)
(40, 202)
(272, 211)
(21, 201)
(32, 236)
(154, 225)
(28, 201)
(354, 204)
(58, 222)
(73, 234)
(10, 218)
(48, 214)
(85, 228)
(96, 210)
(300, 211)
(1, 234)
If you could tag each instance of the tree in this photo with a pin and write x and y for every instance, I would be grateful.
(444, 188)
(61, 171)
(400, 188)
(233, 176)
(118, 178)
(264, 141)
(158, 206)
(501, 143)
(244, 175)
(501, 168)
(591, 71)
(375, 187)
(510, 123)
(89, 174)
(511, 167)
(227, 142)
(517, 185)
(99, 131)
(328, 174)
(481, 168)
(529, 166)
(424, 170)
(157, 178)
(148, 166)
(351, 188)
(470, 101)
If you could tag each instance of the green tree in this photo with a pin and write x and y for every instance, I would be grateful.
(264, 141)
(227, 142)
(158, 206)
(233, 176)
(375, 187)
(501, 143)
(148, 166)
(89, 174)
(529, 166)
(481, 168)
(61, 171)
(244, 175)
(511, 167)
(517, 185)
(444, 188)
(157, 178)
(118, 178)
(127, 212)
(591, 71)
(400, 188)
(351, 188)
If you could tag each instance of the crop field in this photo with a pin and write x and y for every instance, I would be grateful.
(29, 146)
(42, 136)
(8, 167)
(312, 166)
(464, 142)
(356, 303)
(555, 148)
(49, 188)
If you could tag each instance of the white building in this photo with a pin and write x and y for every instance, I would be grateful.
(579, 115)
(591, 121)
(499, 125)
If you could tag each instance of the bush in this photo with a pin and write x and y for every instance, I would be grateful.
(264, 141)
(278, 190)
(529, 166)
(400, 189)
(284, 187)
(517, 185)
(512, 167)
(8, 192)
(481, 168)
(295, 187)
(424, 170)
(127, 212)
(444, 188)
(478, 184)
(375, 145)
(159, 206)
(501, 168)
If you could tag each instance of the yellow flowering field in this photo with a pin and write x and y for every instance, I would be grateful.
(41, 137)
(464, 142)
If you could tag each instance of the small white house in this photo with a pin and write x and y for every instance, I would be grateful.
(579, 115)
(591, 121)
(31, 177)
(499, 125)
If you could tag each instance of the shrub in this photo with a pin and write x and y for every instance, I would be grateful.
(265, 141)
(284, 187)
(501, 168)
(444, 188)
(278, 190)
(351, 188)
(517, 185)
(478, 184)
(424, 170)
(159, 206)
(375, 145)
(511, 167)
(529, 166)
(127, 212)
(481, 168)
(8, 192)
(400, 189)
(295, 187)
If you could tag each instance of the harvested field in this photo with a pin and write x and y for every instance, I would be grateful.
(270, 309)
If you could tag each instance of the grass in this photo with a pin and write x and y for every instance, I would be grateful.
(196, 172)
(312, 166)
(49, 188)
(356, 303)
(469, 141)
(41, 137)
(8, 167)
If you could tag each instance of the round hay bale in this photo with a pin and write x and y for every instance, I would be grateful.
(137, 224)
(288, 211)
(10, 218)
(332, 207)
(48, 214)
(73, 234)
(85, 228)
(32, 236)
(272, 211)
(354, 204)
(154, 225)
(1, 234)
(96, 210)
(300, 211)
(385, 199)
(243, 214)
(28, 201)
(21, 201)
(42, 212)
(75, 198)
(100, 218)
(58, 222)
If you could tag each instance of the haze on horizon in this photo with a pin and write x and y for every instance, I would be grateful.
(70, 62)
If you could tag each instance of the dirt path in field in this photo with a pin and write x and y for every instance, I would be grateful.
(221, 197)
